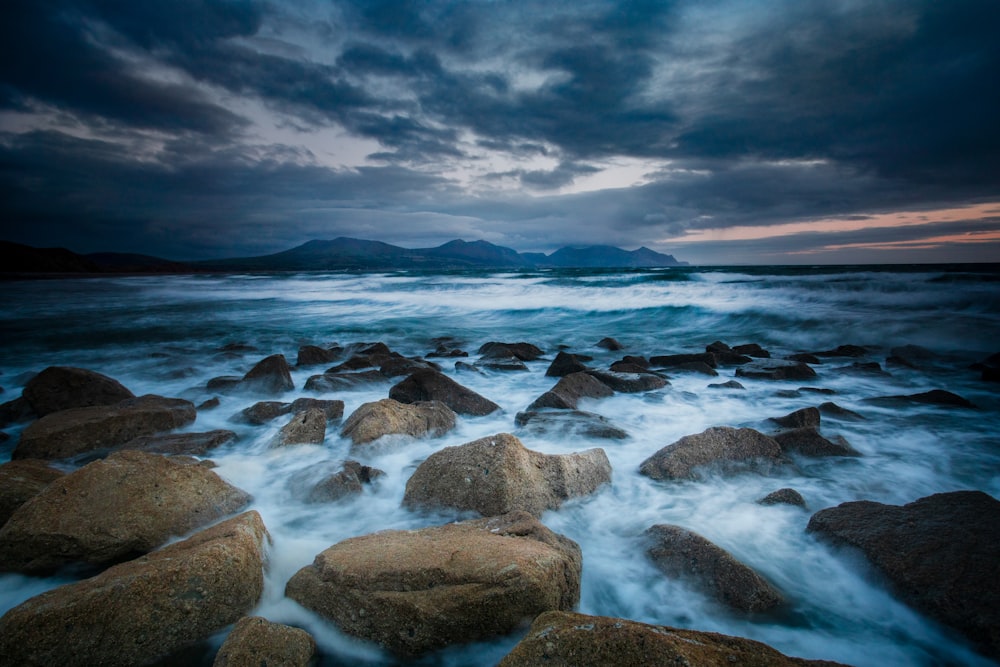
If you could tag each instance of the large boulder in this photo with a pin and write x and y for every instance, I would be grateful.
(271, 375)
(677, 360)
(415, 591)
(68, 433)
(307, 427)
(64, 387)
(497, 474)
(313, 355)
(137, 612)
(112, 510)
(684, 554)
(257, 642)
(430, 385)
(388, 416)
(941, 554)
(565, 639)
(20, 481)
(776, 369)
(722, 447)
(568, 391)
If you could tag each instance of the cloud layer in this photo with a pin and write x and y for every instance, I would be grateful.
(194, 128)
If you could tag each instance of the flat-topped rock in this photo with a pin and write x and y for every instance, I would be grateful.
(940, 553)
(776, 369)
(630, 383)
(722, 448)
(523, 351)
(808, 441)
(566, 639)
(415, 591)
(112, 510)
(497, 474)
(68, 433)
(63, 387)
(191, 444)
(374, 420)
(145, 609)
(430, 385)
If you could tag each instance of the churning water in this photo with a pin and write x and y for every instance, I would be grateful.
(163, 335)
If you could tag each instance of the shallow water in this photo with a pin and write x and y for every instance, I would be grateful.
(163, 335)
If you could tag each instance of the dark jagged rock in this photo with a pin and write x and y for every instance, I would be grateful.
(568, 391)
(684, 554)
(78, 431)
(426, 589)
(143, 610)
(844, 351)
(752, 350)
(63, 387)
(910, 356)
(388, 416)
(808, 442)
(776, 369)
(113, 510)
(932, 397)
(729, 358)
(565, 639)
(503, 365)
(630, 382)
(523, 351)
(263, 412)
(349, 480)
(610, 344)
(257, 642)
(307, 427)
(718, 346)
(313, 355)
(783, 497)
(429, 385)
(628, 367)
(564, 364)
(568, 423)
(191, 444)
(831, 409)
(675, 360)
(497, 474)
(20, 481)
(799, 418)
(721, 447)
(271, 375)
(940, 553)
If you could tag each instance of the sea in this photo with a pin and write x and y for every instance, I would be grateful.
(169, 334)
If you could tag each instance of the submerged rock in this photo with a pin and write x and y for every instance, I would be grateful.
(415, 591)
(20, 481)
(329, 382)
(783, 497)
(372, 421)
(844, 351)
(611, 344)
(799, 418)
(940, 553)
(568, 391)
(679, 360)
(191, 444)
(16, 411)
(77, 431)
(567, 423)
(137, 612)
(112, 510)
(731, 384)
(257, 642)
(497, 474)
(430, 385)
(776, 369)
(630, 383)
(263, 411)
(831, 409)
(932, 397)
(721, 447)
(808, 442)
(349, 480)
(566, 639)
(63, 387)
(684, 554)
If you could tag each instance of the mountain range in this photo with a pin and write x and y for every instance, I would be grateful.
(338, 254)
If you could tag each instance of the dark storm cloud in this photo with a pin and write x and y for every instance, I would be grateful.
(758, 114)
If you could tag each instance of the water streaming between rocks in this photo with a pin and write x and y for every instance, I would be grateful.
(164, 335)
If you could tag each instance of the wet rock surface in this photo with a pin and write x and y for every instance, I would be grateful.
(375, 420)
(20, 481)
(63, 387)
(257, 642)
(722, 447)
(430, 385)
(415, 591)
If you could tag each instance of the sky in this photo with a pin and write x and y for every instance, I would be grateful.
(720, 131)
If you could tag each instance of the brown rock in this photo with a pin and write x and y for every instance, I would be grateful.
(675, 360)
(720, 446)
(313, 355)
(209, 404)
(191, 444)
(350, 480)
(844, 351)
(263, 411)
(497, 474)
(333, 409)
(932, 397)
(808, 442)
(63, 387)
(568, 423)
(564, 639)
(328, 382)
(145, 609)
(783, 497)
(752, 350)
(20, 481)
(414, 591)
(630, 383)
(564, 364)
(271, 375)
(257, 642)
(568, 391)
(305, 428)
(729, 384)
(397, 366)
(831, 409)
(523, 351)
(371, 421)
(429, 385)
(684, 554)
(79, 430)
(610, 344)
(112, 510)
(799, 418)
(940, 553)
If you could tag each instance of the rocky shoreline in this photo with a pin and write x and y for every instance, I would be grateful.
(101, 482)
